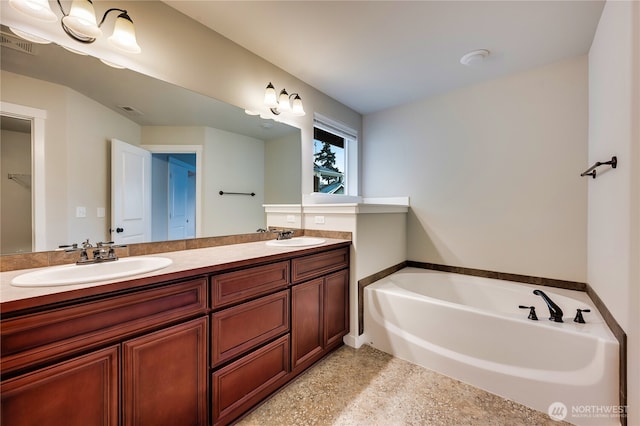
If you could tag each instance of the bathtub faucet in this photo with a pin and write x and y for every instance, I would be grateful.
(554, 310)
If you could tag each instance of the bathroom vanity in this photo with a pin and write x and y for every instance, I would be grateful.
(200, 342)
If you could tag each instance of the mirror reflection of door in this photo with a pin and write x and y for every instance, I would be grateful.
(174, 196)
(130, 193)
(15, 186)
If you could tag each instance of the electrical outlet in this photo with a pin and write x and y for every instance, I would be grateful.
(291, 218)
(81, 211)
(319, 220)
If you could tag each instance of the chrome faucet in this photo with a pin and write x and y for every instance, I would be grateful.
(103, 252)
(554, 310)
(282, 234)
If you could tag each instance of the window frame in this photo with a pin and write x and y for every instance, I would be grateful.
(350, 137)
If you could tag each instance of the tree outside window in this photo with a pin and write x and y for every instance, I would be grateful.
(329, 162)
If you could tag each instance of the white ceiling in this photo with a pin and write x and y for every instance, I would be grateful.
(373, 55)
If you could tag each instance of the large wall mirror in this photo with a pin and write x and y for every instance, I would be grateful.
(199, 147)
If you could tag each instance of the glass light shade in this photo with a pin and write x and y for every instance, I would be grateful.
(270, 99)
(82, 19)
(124, 35)
(296, 106)
(283, 101)
(29, 37)
(37, 9)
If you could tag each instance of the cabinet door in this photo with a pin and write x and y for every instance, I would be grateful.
(307, 326)
(336, 308)
(82, 391)
(165, 376)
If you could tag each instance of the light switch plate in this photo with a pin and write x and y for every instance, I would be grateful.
(81, 211)
(319, 220)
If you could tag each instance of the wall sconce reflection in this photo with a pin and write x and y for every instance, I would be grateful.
(80, 23)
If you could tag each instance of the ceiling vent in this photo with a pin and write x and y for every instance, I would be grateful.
(130, 110)
(15, 43)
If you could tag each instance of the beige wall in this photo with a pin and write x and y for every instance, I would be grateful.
(282, 180)
(235, 163)
(492, 171)
(614, 197)
(15, 201)
(76, 160)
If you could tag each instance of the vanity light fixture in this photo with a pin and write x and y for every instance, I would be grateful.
(80, 23)
(283, 102)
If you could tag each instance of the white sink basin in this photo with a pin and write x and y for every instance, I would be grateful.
(296, 242)
(80, 274)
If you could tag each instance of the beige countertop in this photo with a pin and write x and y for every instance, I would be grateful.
(195, 261)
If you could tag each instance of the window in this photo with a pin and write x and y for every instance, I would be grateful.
(334, 158)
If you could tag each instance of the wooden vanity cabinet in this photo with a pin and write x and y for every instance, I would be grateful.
(277, 329)
(200, 350)
(319, 306)
(249, 337)
(319, 318)
(135, 359)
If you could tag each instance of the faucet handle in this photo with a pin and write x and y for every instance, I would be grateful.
(579, 318)
(532, 312)
(69, 247)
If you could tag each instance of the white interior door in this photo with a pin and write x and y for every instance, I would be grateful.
(178, 199)
(130, 193)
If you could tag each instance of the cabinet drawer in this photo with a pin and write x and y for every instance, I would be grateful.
(245, 382)
(246, 326)
(48, 335)
(315, 265)
(238, 286)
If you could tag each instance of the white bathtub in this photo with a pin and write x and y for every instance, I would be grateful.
(471, 329)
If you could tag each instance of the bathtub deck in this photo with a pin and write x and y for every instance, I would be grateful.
(369, 387)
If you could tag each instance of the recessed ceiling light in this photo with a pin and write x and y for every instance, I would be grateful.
(475, 57)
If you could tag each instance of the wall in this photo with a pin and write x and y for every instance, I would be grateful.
(234, 163)
(15, 204)
(282, 179)
(492, 171)
(89, 164)
(73, 141)
(614, 197)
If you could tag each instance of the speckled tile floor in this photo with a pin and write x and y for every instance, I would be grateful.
(368, 387)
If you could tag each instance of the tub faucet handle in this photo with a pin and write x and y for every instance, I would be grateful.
(532, 312)
(579, 318)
